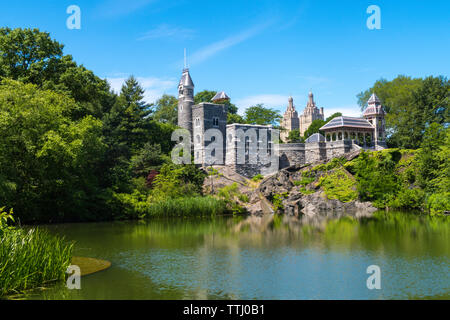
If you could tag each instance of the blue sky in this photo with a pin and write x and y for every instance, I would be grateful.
(256, 51)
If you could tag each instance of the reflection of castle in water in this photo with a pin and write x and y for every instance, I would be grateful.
(247, 148)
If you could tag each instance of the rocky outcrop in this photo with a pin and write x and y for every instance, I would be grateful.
(281, 193)
(318, 204)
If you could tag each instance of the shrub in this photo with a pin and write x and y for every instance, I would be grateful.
(304, 181)
(258, 177)
(439, 203)
(408, 199)
(337, 185)
(277, 201)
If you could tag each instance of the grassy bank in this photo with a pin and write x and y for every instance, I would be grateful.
(29, 259)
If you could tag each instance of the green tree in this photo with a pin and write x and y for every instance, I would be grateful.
(31, 56)
(166, 110)
(433, 159)
(314, 127)
(294, 136)
(258, 114)
(28, 55)
(235, 118)
(49, 162)
(149, 158)
(129, 121)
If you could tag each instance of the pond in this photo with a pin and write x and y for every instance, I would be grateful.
(251, 258)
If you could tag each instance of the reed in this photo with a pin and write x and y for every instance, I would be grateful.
(31, 258)
(187, 206)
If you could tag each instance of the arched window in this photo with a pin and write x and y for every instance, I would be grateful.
(197, 122)
(215, 122)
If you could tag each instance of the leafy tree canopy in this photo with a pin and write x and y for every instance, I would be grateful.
(166, 109)
(31, 56)
(294, 136)
(258, 114)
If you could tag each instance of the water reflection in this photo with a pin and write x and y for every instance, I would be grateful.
(262, 258)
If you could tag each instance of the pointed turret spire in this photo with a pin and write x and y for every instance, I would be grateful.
(186, 80)
(373, 99)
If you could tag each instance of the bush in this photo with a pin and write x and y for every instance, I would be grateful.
(304, 181)
(277, 201)
(439, 203)
(258, 177)
(408, 199)
(337, 185)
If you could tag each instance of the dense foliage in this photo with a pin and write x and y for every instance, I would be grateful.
(407, 179)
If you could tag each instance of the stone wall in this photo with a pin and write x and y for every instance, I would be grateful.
(291, 154)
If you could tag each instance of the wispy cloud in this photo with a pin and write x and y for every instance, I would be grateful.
(154, 87)
(276, 101)
(167, 31)
(216, 47)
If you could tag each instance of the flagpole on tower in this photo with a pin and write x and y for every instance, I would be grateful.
(185, 60)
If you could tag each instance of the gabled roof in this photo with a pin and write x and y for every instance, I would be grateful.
(373, 99)
(186, 80)
(220, 96)
(316, 137)
(373, 109)
(350, 122)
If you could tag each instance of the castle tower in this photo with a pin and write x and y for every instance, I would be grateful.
(374, 113)
(310, 114)
(290, 120)
(185, 101)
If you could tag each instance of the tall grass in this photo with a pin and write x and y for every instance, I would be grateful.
(188, 206)
(29, 259)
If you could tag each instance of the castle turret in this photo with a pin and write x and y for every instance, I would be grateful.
(374, 113)
(185, 101)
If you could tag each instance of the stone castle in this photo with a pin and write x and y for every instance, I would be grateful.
(254, 149)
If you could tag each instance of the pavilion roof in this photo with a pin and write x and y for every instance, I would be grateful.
(348, 122)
